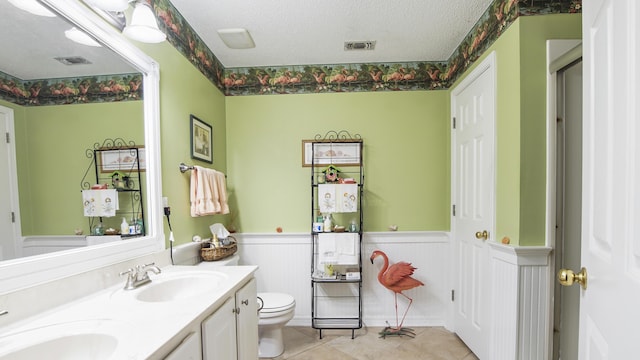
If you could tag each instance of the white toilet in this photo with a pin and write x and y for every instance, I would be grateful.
(276, 309)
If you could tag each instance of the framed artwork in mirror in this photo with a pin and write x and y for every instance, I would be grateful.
(125, 159)
(201, 140)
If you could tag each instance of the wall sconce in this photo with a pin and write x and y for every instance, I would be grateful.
(143, 26)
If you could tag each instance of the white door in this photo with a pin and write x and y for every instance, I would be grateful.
(9, 207)
(610, 306)
(473, 107)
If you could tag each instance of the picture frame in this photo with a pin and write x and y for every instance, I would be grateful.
(122, 159)
(201, 140)
(345, 153)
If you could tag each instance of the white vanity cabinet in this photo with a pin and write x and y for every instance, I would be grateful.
(189, 349)
(231, 332)
(247, 321)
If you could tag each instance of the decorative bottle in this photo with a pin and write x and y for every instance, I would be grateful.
(124, 227)
(328, 223)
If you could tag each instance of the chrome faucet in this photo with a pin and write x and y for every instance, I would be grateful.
(139, 276)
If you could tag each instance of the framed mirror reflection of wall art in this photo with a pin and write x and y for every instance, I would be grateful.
(201, 140)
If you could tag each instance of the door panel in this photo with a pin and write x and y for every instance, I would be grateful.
(9, 229)
(473, 106)
(609, 308)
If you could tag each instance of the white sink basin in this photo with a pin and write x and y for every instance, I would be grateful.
(176, 287)
(76, 340)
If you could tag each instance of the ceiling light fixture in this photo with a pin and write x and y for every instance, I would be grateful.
(143, 26)
(236, 38)
(33, 7)
(80, 37)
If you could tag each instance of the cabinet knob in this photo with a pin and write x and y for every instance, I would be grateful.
(245, 302)
(236, 310)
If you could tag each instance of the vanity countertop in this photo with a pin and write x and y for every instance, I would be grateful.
(139, 329)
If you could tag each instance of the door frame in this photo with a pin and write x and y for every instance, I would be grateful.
(560, 53)
(12, 171)
(487, 64)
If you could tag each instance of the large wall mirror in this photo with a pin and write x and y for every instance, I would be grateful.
(121, 57)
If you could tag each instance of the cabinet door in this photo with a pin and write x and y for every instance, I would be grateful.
(189, 349)
(219, 334)
(247, 321)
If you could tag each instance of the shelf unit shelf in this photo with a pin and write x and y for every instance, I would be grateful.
(336, 302)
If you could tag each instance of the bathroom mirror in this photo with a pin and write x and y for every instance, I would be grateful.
(18, 273)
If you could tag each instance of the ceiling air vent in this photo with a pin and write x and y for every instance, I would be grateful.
(73, 60)
(359, 45)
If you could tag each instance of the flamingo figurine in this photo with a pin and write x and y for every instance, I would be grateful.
(397, 278)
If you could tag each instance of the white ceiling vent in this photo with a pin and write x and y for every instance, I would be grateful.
(359, 45)
(73, 60)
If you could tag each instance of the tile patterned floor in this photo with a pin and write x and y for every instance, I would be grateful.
(430, 343)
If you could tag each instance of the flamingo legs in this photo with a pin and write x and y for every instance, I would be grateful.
(399, 330)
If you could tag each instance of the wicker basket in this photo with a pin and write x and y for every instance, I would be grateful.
(210, 253)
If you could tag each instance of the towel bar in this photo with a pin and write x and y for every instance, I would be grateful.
(184, 167)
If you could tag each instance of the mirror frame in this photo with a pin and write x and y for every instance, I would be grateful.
(24, 272)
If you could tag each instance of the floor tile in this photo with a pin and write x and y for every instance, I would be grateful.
(429, 343)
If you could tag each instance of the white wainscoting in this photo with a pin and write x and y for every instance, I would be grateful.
(43, 244)
(521, 302)
(284, 262)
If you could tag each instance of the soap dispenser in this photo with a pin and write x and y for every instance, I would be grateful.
(124, 227)
(328, 223)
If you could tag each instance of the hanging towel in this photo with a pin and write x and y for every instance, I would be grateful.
(337, 249)
(100, 202)
(327, 198)
(348, 198)
(208, 192)
(338, 198)
(346, 248)
(326, 251)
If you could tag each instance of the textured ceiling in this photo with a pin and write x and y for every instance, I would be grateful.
(31, 43)
(295, 32)
(286, 32)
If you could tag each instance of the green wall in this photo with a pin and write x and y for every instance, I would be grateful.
(406, 157)
(51, 143)
(534, 32)
(184, 91)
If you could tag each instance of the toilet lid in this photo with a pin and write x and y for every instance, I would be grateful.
(274, 302)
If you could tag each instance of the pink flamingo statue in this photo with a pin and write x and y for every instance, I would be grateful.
(397, 278)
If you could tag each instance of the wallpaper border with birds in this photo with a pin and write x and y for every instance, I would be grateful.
(338, 78)
(290, 79)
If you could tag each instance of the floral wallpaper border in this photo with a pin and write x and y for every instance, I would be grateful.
(75, 90)
(300, 79)
(291, 79)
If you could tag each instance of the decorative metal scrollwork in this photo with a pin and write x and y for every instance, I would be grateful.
(342, 135)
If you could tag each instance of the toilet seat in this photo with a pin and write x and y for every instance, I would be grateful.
(276, 302)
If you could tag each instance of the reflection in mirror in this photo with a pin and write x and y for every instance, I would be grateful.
(42, 70)
(59, 111)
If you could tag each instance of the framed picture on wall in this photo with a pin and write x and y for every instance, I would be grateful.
(201, 140)
(331, 152)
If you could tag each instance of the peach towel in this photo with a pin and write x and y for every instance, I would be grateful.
(208, 192)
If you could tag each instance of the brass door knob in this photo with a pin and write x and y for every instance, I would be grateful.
(567, 277)
(482, 235)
